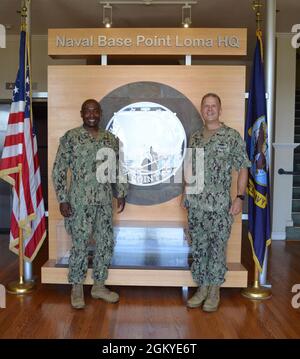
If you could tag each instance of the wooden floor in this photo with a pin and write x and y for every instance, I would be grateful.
(148, 312)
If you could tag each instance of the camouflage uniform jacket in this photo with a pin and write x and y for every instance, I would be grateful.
(224, 151)
(77, 153)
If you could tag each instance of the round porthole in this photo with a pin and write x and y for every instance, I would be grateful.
(154, 122)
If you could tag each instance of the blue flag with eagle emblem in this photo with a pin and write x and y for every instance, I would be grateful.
(256, 137)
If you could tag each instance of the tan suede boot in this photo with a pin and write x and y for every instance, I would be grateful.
(213, 299)
(77, 297)
(198, 298)
(99, 291)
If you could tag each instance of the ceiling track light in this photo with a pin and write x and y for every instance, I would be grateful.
(186, 8)
(149, 2)
(107, 15)
(186, 15)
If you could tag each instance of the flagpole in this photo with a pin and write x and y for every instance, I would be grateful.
(270, 65)
(256, 291)
(21, 247)
(21, 286)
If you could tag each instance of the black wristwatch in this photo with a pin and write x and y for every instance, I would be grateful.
(240, 196)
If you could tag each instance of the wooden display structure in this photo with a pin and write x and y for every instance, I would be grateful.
(69, 86)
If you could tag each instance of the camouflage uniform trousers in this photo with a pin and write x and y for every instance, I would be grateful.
(209, 233)
(85, 222)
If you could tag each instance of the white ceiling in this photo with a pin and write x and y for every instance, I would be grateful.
(88, 13)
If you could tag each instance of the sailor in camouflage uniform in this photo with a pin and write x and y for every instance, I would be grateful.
(211, 211)
(86, 203)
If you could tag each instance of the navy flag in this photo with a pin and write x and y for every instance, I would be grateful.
(256, 136)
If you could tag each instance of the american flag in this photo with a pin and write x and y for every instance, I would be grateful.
(19, 165)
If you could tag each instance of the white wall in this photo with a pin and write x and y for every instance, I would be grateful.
(284, 135)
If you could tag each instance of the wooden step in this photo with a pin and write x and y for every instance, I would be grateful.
(296, 192)
(296, 157)
(297, 167)
(296, 218)
(235, 277)
(296, 205)
(297, 138)
(293, 233)
(297, 129)
(296, 180)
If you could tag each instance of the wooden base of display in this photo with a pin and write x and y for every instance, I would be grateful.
(235, 277)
